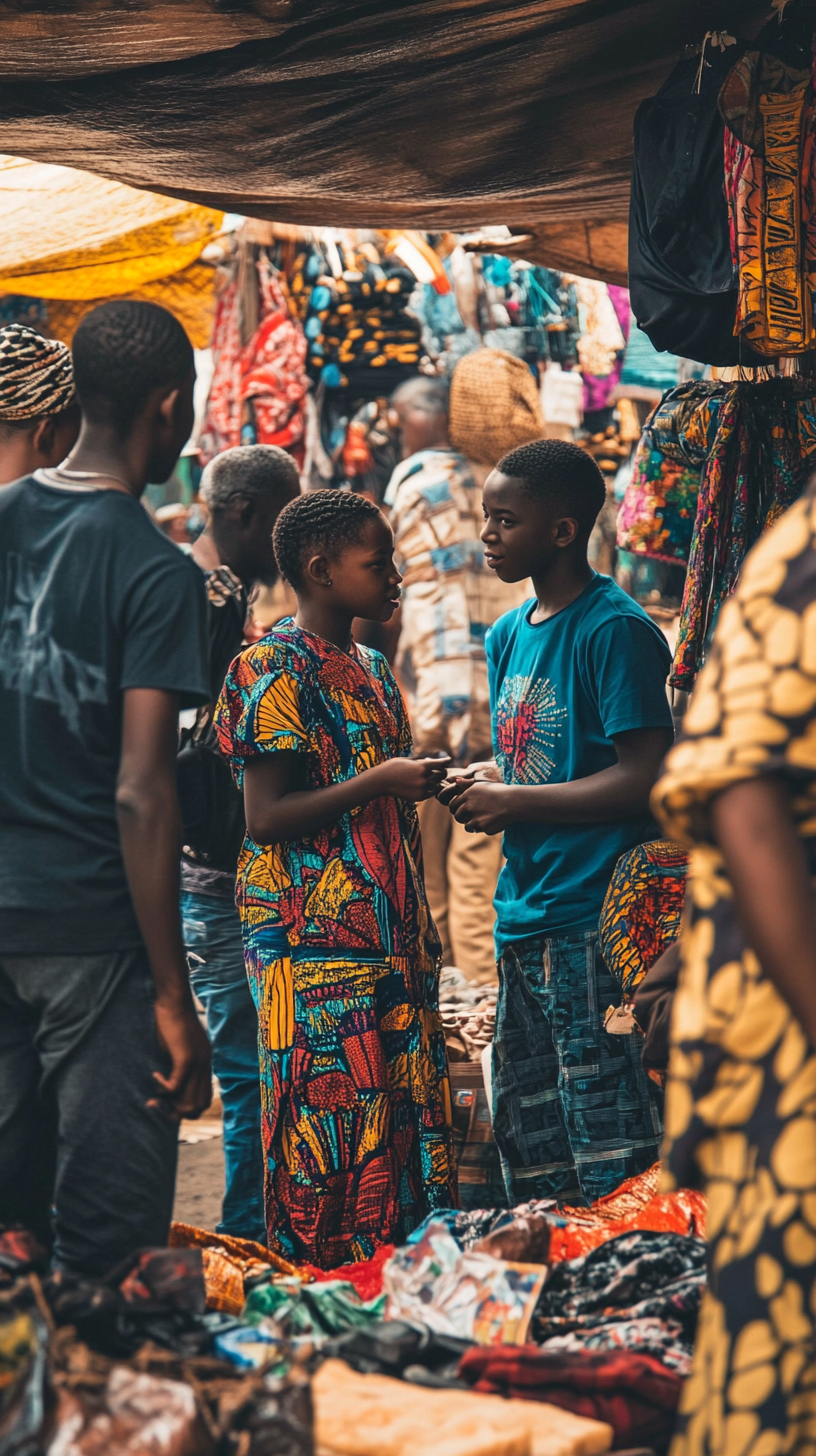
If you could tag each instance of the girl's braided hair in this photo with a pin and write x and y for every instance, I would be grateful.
(320, 520)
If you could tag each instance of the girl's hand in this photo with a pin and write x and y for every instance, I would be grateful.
(409, 778)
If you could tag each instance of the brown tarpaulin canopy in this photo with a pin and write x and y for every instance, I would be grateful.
(390, 113)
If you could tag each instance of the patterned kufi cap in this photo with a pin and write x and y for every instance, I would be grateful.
(36, 375)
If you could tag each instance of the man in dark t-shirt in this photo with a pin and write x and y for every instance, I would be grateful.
(102, 641)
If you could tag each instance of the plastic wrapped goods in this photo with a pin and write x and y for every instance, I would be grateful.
(471, 1295)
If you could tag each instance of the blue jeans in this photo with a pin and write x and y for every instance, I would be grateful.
(212, 930)
(573, 1111)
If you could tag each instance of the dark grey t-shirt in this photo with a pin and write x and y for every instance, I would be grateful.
(93, 601)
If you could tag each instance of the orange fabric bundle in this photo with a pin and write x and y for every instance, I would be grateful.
(635, 1205)
(228, 1262)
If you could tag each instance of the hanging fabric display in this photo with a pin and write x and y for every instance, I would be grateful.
(767, 107)
(659, 507)
(759, 460)
(258, 391)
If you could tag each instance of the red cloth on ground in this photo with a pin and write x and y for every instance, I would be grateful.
(367, 1277)
(635, 1205)
(634, 1394)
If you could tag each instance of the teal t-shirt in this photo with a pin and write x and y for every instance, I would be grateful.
(559, 691)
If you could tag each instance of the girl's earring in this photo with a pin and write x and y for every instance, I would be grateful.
(328, 581)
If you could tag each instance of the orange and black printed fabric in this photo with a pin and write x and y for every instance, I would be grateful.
(643, 909)
(741, 1093)
(343, 963)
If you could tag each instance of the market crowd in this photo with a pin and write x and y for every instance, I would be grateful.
(269, 829)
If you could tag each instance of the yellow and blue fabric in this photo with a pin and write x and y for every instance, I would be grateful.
(343, 963)
(643, 910)
(741, 1092)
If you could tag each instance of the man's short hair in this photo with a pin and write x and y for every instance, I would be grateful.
(122, 351)
(428, 393)
(254, 472)
(559, 473)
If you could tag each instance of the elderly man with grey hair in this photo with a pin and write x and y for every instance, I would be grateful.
(245, 490)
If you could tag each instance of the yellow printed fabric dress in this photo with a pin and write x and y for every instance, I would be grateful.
(741, 1095)
(343, 963)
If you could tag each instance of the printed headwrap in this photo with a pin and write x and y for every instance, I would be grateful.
(36, 374)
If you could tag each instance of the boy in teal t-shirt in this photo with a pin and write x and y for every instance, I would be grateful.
(581, 722)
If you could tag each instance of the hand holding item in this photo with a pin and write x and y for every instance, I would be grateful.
(411, 778)
(487, 771)
(483, 807)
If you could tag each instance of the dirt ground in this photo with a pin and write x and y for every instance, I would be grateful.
(200, 1182)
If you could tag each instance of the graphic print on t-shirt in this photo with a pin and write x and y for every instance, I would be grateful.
(31, 660)
(528, 724)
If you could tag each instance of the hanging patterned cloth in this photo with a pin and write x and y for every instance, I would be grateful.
(758, 463)
(270, 371)
(763, 103)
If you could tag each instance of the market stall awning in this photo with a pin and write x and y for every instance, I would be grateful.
(74, 239)
(403, 113)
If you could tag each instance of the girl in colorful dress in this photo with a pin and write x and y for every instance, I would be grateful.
(341, 952)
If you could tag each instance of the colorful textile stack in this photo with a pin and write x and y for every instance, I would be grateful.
(643, 909)
(358, 323)
(544, 1232)
(641, 1292)
(258, 391)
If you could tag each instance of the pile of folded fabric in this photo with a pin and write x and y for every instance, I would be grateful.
(499, 1332)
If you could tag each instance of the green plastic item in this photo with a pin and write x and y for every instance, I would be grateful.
(319, 1310)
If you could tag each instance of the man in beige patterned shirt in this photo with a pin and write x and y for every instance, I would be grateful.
(449, 599)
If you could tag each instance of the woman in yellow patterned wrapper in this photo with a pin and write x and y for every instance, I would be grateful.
(740, 789)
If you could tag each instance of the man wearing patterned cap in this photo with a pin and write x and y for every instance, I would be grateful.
(39, 415)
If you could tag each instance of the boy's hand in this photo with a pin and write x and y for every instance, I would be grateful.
(410, 778)
(484, 808)
(460, 778)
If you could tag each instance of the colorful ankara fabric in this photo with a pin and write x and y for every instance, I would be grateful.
(659, 507)
(767, 107)
(343, 963)
(759, 459)
(449, 599)
(36, 374)
(643, 909)
(740, 1106)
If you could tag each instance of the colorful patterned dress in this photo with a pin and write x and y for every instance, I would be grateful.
(343, 962)
(741, 1093)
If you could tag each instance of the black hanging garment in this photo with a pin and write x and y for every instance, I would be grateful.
(682, 280)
